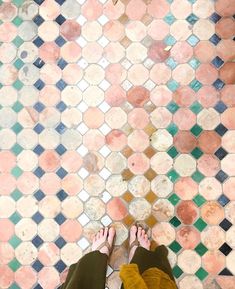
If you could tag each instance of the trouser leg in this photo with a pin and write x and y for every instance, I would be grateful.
(88, 273)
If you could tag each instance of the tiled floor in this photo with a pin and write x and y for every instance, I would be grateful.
(110, 114)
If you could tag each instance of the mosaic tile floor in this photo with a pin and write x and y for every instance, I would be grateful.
(111, 114)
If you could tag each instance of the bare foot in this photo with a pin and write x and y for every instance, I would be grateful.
(106, 234)
(141, 236)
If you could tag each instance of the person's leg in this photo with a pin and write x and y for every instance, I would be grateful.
(90, 271)
(141, 255)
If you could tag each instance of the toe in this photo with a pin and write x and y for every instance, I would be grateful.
(143, 233)
(139, 232)
(111, 234)
(105, 232)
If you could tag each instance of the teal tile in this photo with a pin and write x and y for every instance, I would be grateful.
(201, 274)
(18, 41)
(197, 176)
(173, 175)
(15, 218)
(17, 21)
(16, 195)
(17, 128)
(193, 40)
(175, 222)
(169, 40)
(17, 107)
(196, 130)
(16, 149)
(14, 241)
(195, 85)
(14, 286)
(18, 3)
(177, 272)
(171, 63)
(174, 199)
(172, 129)
(175, 247)
(192, 19)
(169, 18)
(18, 84)
(172, 107)
(201, 249)
(196, 153)
(200, 224)
(194, 63)
(16, 172)
(172, 85)
(18, 63)
(196, 107)
(172, 152)
(14, 265)
(199, 200)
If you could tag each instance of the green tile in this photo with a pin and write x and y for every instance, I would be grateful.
(14, 241)
(172, 107)
(14, 265)
(173, 175)
(169, 40)
(16, 149)
(18, 3)
(196, 153)
(195, 85)
(175, 246)
(201, 249)
(192, 1)
(174, 199)
(196, 107)
(169, 18)
(194, 63)
(17, 107)
(16, 195)
(175, 222)
(196, 130)
(201, 274)
(15, 218)
(199, 200)
(16, 172)
(17, 128)
(172, 152)
(14, 286)
(172, 85)
(17, 21)
(197, 176)
(18, 84)
(192, 19)
(18, 64)
(172, 129)
(18, 41)
(177, 272)
(200, 224)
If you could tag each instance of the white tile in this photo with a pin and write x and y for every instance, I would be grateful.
(82, 106)
(106, 221)
(106, 197)
(82, 150)
(103, 62)
(109, 271)
(83, 85)
(82, 128)
(105, 173)
(83, 243)
(105, 151)
(83, 219)
(81, 20)
(105, 129)
(83, 195)
(103, 41)
(103, 19)
(82, 63)
(104, 106)
(126, 85)
(81, 41)
(104, 85)
(83, 173)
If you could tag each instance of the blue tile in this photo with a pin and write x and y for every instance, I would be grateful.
(218, 84)
(38, 41)
(39, 62)
(225, 249)
(61, 173)
(61, 84)
(215, 17)
(39, 195)
(225, 272)
(220, 106)
(60, 242)
(223, 200)
(217, 62)
(37, 217)
(38, 128)
(193, 40)
(37, 241)
(62, 63)
(60, 2)
(39, 84)
(60, 41)
(37, 266)
(60, 149)
(61, 128)
(39, 2)
(61, 106)
(39, 172)
(215, 39)
(38, 150)
(38, 20)
(38, 286)
(60, 266)
(39, 107)
(60, 219)
(192, 19)
(221, 153)
(62, 195)
(221, 176)
(221, 129)
(60, 19)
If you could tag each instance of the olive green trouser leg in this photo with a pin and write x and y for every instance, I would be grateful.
(146, 259)
(88, 273)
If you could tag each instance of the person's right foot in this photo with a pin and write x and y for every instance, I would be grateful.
(139, 234)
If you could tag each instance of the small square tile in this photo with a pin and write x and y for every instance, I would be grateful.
(60, 19)
(62, 195)
(221, 153)
(200, 225)
(175, 247)
(225, 249)
(38, 20)
(38, 150)
(37, 241)
(199, 200)
(62, 63)
(196, 107)
(201, 249)
(215, 39)
(172, 107)
(61, 128)
(60, 41)
(177, 271)
(14, 265)
(39, 62)
(225, 224)
(172, 152)
(175, 222)
(39, 172)
(39, 84)
(61, 149)
(195, 85)
(196, 153)
(37, 217)
(38, 128)
(220, 107)
(37, 265)
(61, 173)
(174, 199)
(217, 62)
(225, 272)
(215, 17)
(196, 130)
(193, 40)
(38, 41)
(221, 176)
(192, 19)
(61, 106)
(60, 242)
(60, 219)
(60, 266)
(201, 273)
(221, 129)
(39, 195)
(61, 84)
(223, 200)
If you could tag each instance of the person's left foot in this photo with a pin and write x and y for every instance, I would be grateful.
(104, 235)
